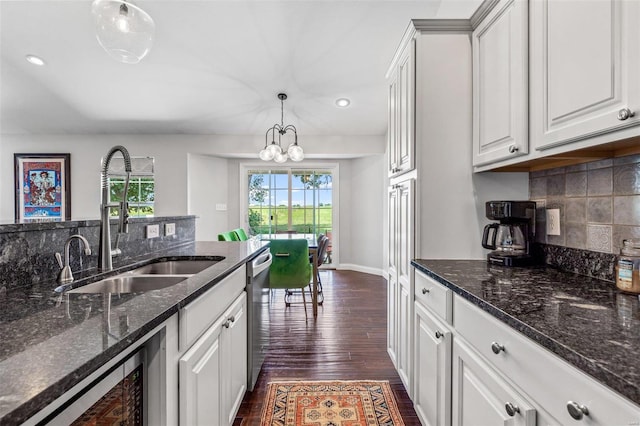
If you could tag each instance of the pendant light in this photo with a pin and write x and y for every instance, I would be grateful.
(123, 29)
(273, 151)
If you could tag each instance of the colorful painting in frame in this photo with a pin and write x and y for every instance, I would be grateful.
(43, 192)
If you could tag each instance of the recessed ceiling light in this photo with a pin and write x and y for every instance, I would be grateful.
(343, 102)
(35, 60)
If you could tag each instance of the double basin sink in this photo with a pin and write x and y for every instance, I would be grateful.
(154, 276)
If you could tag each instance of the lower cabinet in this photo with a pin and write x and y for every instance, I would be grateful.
(481, 397)
(432, 369)
(213, 371)
(472, 369)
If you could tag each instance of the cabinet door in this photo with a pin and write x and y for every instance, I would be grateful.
(432, 369)
(392, 129)
(234, 361)
(405, 332)
(392, 270)
(481, 397)
(500, 85)
(585, 69)
(199, 379)
(401, 114)
(405, 247)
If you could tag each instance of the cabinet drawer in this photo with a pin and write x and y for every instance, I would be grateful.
(547, 379)
(198, 315)
(433, 295)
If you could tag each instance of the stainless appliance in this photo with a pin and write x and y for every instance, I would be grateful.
(511, 238)
(118, 397)
(258, 315)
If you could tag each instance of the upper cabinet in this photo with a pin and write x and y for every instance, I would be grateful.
(401, 138)
(500, 87)
(585, 70)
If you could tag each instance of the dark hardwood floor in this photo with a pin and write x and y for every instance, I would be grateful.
(346, 342)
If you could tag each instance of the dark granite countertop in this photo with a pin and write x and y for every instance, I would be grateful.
(51, 339)
(585, 321)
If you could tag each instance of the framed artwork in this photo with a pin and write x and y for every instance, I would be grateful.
(43, 187)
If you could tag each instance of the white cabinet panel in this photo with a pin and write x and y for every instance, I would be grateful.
(401, 146)
(585, 69)
(481, 397)
(500, 84)
(213, 372)
(200, 379)
(432, 369)
(400, 289)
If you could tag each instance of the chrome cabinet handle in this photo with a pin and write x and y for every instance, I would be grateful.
(576, 410)
(439, 335)
(513, 149)
(625, 113)
(511, 409)
(497, 348)
(425, 290)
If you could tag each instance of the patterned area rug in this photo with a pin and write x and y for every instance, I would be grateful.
(335, 403)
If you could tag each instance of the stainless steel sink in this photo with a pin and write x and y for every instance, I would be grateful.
(175, 267)
(130, 284)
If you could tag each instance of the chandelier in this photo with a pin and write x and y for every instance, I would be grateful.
(273, 151)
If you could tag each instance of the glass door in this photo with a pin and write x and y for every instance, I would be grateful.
(292, 202)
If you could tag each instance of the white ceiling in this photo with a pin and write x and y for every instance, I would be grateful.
(215, 67)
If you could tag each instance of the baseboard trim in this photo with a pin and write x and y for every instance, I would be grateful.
(360, 268)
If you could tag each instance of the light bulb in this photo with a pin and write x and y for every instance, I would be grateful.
(295, 152)
(274, 149)
(122, 23)
(266, 155)
(280, 157)
(343, 102)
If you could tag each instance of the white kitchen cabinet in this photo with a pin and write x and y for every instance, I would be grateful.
(213, 371)
(400, 290)
(432, 368)
(481, 397)
(234, 360)
(533, 368)
(500, 84)
(585, 70)
(401, 136)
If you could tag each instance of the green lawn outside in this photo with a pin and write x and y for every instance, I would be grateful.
(300, 222)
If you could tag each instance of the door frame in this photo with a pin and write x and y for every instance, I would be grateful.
(334, 167)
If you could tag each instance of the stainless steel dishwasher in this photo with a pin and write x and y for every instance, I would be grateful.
(258, 315)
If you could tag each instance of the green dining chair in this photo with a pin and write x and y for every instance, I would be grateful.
(228, 236)
(290, 268)
(242, 236)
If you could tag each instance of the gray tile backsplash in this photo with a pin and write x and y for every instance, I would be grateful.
(599, 203)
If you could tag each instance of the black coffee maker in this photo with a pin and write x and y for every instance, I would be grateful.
(512, 237)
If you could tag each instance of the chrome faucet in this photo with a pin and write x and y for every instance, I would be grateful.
(65, 276)
(105, 251)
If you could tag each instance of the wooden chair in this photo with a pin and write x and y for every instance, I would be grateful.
(323, 244)
(290, 268)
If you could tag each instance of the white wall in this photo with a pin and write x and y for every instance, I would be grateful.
(208, 187)
(364, 244)
(170, 152)
(187, 165)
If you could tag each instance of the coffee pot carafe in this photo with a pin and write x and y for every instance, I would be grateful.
(511, 238)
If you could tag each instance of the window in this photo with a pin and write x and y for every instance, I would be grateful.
(297, 201)
(141, 193)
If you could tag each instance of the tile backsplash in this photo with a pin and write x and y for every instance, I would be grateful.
(599, 203)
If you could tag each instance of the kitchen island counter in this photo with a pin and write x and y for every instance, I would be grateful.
(585, 321)
(53, 339)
